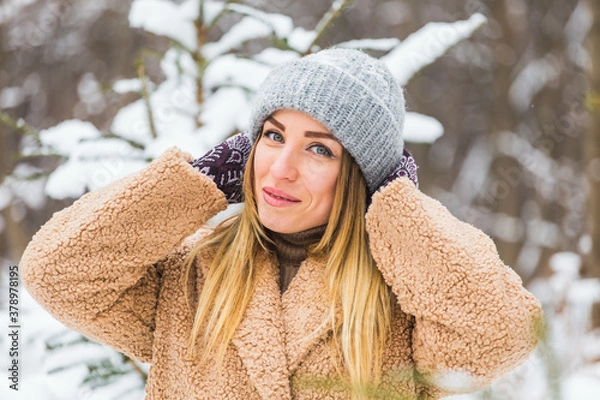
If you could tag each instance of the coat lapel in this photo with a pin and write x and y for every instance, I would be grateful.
(259, 338)
(306, 312)
(277, 332)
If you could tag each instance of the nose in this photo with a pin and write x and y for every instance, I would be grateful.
(284, 165)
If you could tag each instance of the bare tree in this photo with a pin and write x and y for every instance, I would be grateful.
(592, 142)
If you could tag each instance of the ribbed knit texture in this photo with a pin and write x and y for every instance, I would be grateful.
(352, 94)
(290, 249)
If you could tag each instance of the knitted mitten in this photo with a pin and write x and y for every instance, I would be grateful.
(225, 164)
(405, 168)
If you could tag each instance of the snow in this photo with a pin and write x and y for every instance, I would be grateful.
(233, 71)
(565, 365)
(229, 81)
(165, 18)
(35, 380)
(173, 103)
(533, 160)
(20, 188)
(271, 57)
(5, 196)
(93, 162)
(470, 182)
(456, 381)
(11, 8)
(419, 128)
(532, 79)
(64, 137)
(583, 386)
(427, 45)
(128, 85)
(178, 64)
(566, 264)
(544, 233)
(131, 123)
(223, 114)
(508, 228)
(280, 24)
(576, 31)
(300, 39)
(11, 97)
(94, 165)
(247, 29)
(29, 191)
(545, 71)
(527, 382)
(383, 44)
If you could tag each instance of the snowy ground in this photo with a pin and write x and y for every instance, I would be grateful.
(566, 366)
(35, 383)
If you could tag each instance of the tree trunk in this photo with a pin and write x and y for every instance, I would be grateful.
(11, 232)
(592, 142)
(501, 118)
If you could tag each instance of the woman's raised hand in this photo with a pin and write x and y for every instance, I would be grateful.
(407, 167)
(225, 164)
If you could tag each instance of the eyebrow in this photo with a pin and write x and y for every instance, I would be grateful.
(311, 134)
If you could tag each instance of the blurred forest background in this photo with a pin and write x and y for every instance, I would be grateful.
(520, 153)
(519, 102)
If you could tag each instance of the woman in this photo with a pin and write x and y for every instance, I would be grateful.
(339, 279)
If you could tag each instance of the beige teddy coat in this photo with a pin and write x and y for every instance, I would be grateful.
(109, 266)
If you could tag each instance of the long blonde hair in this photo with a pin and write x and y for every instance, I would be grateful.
(353, 279)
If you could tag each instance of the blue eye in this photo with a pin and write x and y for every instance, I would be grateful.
(274, 136)
(322, 150)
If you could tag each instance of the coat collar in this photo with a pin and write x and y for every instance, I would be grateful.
(277, 332)
(260, 337)
(306, 312)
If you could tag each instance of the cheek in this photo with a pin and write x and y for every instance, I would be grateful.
(323, 184)
(330, 190)
(260, 164)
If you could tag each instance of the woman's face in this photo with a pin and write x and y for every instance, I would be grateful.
(296, 165)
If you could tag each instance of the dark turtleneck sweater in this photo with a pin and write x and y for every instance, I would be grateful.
(290, 249)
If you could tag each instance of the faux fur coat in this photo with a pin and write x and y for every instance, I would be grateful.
(109, 266)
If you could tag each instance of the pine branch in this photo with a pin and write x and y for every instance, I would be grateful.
(20, 126)
(201, 39)
(131, 142)
(223, 11)
(136, 367)
(201, 12)
(34, 157)
(141, 71)
(327, 20)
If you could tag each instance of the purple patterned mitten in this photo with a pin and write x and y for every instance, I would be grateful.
(407, 167)
(225, 164)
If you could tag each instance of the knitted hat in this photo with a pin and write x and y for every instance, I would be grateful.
(352, 94)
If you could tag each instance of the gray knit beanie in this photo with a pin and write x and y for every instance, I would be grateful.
(352, 94)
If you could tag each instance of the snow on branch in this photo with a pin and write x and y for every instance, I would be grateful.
(280, 24)
(247, 29)
(382, 44)
(532, 79)
(419, 128)
(428, 44)
(165, 18)
(229, 81)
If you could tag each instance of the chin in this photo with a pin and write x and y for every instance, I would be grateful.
(279, 228)
(274, 222)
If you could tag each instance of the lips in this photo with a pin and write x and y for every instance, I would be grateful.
(278, 198)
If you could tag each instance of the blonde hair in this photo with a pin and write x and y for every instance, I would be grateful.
(353, 279)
